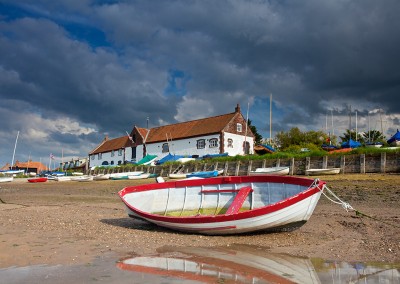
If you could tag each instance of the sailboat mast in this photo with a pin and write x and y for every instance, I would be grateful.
(326, 123)
(245, 135)
(369, 129)
(15, 147)
(270, 119)
(356, 127)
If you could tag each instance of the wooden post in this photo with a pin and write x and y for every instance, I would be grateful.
(249, 167)
(383, 162)
(342, 163)
(307, 163)
(362, 163)
(278, 162)
(291, 169)
(237, 168)
(264, 163)
(325, 162)
(226, 168)
(216, 166)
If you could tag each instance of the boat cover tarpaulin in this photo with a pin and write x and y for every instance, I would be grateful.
(395, 137)
(351, 144)
(147, 160)
(264, 148)
(169, 158)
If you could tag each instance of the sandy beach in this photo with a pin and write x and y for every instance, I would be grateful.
(72, 222)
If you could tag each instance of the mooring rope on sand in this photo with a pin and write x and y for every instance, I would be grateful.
(346, 205)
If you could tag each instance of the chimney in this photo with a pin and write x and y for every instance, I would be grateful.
(105, 138)
(237, 108)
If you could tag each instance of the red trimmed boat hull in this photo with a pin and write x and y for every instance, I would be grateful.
(225, 205)
(40, 179)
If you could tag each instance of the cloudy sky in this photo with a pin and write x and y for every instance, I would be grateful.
(73, 71)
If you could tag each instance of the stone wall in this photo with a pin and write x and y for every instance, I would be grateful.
(349, 164)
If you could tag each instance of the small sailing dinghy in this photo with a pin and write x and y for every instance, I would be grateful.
(37, 179)
(225, 205)
(330, 171)
(281, 171)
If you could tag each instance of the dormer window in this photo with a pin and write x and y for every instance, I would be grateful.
(238, 127)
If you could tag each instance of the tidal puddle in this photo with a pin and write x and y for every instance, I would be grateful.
(233, 264)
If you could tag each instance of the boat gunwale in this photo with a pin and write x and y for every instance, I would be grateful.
(264, 210)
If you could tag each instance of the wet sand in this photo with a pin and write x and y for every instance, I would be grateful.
(73, 222)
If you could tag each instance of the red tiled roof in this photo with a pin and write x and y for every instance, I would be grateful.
(112, 144)
(199, 127)
(6, 167)
(142, 131)
(31, 165)
(194, 128)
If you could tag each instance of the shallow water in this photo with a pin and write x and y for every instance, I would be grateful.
(234, 264)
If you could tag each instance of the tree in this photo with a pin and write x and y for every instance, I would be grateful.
(351, 134)
(374, 136)
(257, 136)
(296, 137)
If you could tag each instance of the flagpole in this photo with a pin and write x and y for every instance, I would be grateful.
(270, 119)
(247, 121)
(15, 147)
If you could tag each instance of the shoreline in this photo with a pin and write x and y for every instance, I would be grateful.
(73, 222)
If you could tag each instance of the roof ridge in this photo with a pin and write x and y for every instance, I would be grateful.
(189, 121)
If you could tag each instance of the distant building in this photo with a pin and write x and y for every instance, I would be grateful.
(29, 167)
(228, 133)
(6, 167)
(111, 152)
(75, 164)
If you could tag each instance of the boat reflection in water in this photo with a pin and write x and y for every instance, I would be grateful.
(240, 264)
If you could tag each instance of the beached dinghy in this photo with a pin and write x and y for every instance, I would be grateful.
(225, 205)
(101, 177)
(281, 171)
(315, 172)
(37, 179)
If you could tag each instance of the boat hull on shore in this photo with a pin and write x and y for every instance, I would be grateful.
(225, 205)
(38, 179)
(316, 172)
(281, 171)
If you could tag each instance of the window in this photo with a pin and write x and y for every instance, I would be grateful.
(92, 157)
(230, 143)
(120, 152)
(213, 142)
(112, 153)
(165, 148)
(99, 156)
(238, 127)
(201, 144)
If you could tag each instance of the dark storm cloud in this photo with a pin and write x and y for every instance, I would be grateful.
(105, 66)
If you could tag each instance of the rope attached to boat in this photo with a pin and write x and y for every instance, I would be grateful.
(345, 205)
